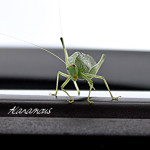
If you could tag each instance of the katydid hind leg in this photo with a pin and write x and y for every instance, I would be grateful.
(58, 74)
(101, 77)
(96, 67)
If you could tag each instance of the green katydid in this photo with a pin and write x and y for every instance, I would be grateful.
(79, 66)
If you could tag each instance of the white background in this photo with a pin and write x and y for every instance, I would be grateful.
(101, 24)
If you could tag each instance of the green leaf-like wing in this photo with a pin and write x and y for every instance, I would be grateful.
(73, 57)
(97, 66)
(84, 62)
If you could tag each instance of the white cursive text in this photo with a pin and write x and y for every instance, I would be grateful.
(18, 110)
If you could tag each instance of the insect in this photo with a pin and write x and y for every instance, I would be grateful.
(78, 66)
(81, 66)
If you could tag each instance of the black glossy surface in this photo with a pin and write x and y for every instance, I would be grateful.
(104, 118)
(101, 108)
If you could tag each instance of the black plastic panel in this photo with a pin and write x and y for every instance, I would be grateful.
(101, 108)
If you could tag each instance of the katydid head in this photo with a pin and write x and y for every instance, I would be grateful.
(73, 71)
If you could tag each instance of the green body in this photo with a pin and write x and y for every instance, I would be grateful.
(81, 66)
(85, 63)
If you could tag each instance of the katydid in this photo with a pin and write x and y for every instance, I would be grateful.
(81, 66)
(78, 66)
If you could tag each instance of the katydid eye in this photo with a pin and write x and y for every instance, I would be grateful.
(73, 65)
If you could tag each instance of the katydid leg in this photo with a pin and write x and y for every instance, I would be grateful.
(92, 87)
(62, 88)
(90, 82)
(76, 86)
(62, 74)
(101, 77)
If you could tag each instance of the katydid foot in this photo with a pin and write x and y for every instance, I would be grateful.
(89, 101)
(115, 98)
(53, 94)
(70, 101)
